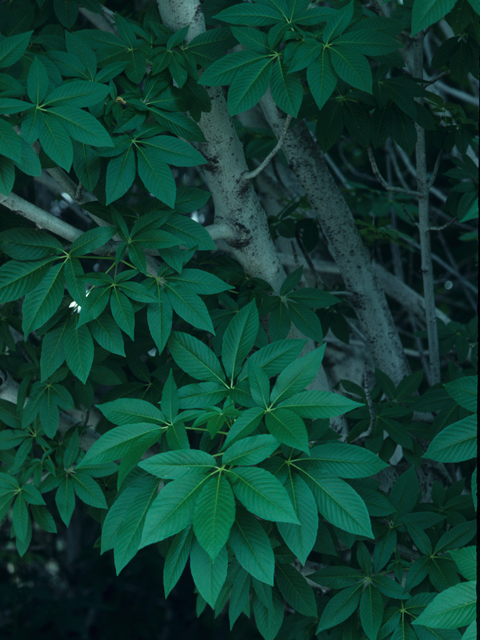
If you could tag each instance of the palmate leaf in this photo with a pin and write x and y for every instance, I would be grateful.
(322, 80)
(297, 375)
(190, 307)
(296, 590)
(464, 391)
(17, 278)
(208, 576)
(269, 619)
(249, 87)
(300, 538)
(131, 411)
(172, 510)
(107, 333)
(177, 464)
(239, 338)
(116, 443)
(120, 175)
(456, 443)
(13, 48)
(339, 503)
(225, 70)
(250, 451)
(176, 558)
(262, 494)
(79, 349)
(7, 175)
(56, 142)
(195, 358)
(80, 125)
(77, 94)
(352, 67)
(174, 151)
(252, 547)
(455, 607)
(371, 611)
(159, 318)
(287, 91)
(255, 15)
(426, 12)
(287, 428)
(214, 515)
(156, 176)
(340, 607)
(342, 460)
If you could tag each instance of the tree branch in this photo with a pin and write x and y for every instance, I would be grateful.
(383, 182)
(261, 167)
(99, 20)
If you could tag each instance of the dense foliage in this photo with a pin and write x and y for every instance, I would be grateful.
(170, 376)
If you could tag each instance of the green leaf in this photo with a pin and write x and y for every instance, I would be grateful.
(252, 547)
(297, 375)
(91, 240)
(65, 499)
(86, 164)
(179, 124)
(250, 451)
(88, 490)
(259, 384)
(225, 70)
(176, 559)
(44, 519)
(7, 175)
(190, 307)
(287, 91)
(41, 303)
(427, 12)
(29, 162)
(464, 392)
(239, 338)
(269, 619)
(177, 464)
(77, 94)
(214, 515)
(156, 176)
(56, 143)
(174, 151)
(20, 517)
(27, 244)
(455, 607)
(352, 67)
(131, 411)
(159, 318)
(306, 321)
(208, 576)
(172, 510)
(120, 175)
(244, 425)
(287, 428)
(368, 42)
(339, 608)
(321, 78)
(466, 561)
(456, 443)
(37, 81)
(199, 281)
(275, 357)
(296, 590)
(338, 23)
(79, 349)
(195, 358)
(128, 534)
(371, 611)
(118, 519)
(116, 443)
(191, 234)
(10, 142)
(106, 332)
(300, 538)
(122, 312)
(262, 494)
(457, 536)
(319, 404)
(338, 503)
(66, 12)
(248, 88)
(343, 460)
(81, 126)
(337, 577)
(254, 15)
(13, 48)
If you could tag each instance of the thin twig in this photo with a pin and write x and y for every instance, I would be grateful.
(435, 170)
(253, 174)
(371, 410)
(382, 180)
(98, 20)
(444, 226)
(308, 261)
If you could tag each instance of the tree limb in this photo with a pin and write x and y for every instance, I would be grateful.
(278, 146)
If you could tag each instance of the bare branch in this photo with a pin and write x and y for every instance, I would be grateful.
(444, 226)
(435, 170)
(41, 218)
(383, 182)
(98, 20)
(278, 146)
